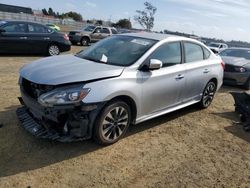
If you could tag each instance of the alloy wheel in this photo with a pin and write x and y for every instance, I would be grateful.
(208, 94)
(54, 50)
(114, 123)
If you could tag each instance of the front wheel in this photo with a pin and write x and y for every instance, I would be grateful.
(53, 49)
(208, 95)
(112, 123)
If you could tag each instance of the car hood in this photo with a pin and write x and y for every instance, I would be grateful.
(65, 69)
(236, 61)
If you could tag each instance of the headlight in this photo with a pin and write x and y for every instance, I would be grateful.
(63, 96)
(240, 69)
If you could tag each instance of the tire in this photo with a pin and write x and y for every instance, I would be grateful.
(112, 123)
(247, 84)
(85, 41)
(53, 49)
(208, 95)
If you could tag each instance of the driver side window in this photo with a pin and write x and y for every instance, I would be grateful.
(168, 53)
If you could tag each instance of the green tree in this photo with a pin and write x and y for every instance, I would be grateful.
(123, 23)
(45, 12)
(51, 12)
(146, 17)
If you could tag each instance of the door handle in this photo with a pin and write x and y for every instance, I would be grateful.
(23, 38)
(206, 71)
(179, 77)
(46, 38)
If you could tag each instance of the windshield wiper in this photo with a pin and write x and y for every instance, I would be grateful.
(95, 60)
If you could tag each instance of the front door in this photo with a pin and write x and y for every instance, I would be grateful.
(162, 88)
(13, 39)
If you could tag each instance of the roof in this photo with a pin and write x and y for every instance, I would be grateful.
(153, 36)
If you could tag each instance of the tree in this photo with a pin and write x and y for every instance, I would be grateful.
(99, 22)
(45, 12)
(123, 23)
(146, 17)
(51, 12)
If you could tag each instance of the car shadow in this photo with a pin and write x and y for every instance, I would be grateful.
(23, 55)
(21, 152)
(236, 127)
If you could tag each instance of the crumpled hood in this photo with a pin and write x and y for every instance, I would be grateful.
(236, 61)
(67, 69)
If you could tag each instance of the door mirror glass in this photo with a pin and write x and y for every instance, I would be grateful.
(155, 64)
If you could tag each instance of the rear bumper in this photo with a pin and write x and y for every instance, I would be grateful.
(64, 47)
(74, 38)
(233, 78)
(62, 123)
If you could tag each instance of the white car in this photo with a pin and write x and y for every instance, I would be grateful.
(217, 47)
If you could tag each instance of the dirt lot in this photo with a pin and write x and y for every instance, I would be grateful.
(188, 148)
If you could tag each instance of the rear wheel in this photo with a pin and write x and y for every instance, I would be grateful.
(112, 123)
(85, 41)
(53, 49)
(208, 95)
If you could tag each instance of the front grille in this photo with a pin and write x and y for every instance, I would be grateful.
(229, 68)
(35, 90)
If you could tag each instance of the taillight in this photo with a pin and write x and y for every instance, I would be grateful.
(65, 36)
(223, 65)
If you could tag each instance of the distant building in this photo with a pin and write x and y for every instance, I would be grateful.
(15, 9)
(38, 12)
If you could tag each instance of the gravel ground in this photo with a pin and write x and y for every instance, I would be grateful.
(187, 148)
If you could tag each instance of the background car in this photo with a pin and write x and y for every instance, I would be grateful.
(123, 79)
(54, 27)
(90, 34)
(237, 66)
(217, 47)
(27, 37)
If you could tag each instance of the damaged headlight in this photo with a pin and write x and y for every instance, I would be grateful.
(63, 96)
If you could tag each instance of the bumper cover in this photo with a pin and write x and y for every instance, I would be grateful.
(233, 78)
(39, 131)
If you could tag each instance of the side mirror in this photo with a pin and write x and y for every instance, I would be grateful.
(155, 64)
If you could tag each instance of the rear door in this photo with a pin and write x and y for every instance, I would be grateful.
(39, 37)
(14, 38)
(162, 88)
(105, 32)
(198, 71)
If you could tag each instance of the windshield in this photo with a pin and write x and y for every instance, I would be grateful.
(214, 45)
(117, 50)
(89, 28)
(244, 53)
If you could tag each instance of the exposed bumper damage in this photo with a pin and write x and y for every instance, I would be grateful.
(242, 106)
(64, 123)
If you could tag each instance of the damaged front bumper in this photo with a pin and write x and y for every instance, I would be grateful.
(61, 123)
(242, 106)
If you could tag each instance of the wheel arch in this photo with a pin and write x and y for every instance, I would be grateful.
(130, 102)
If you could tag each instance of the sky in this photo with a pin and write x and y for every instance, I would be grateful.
(222, 19)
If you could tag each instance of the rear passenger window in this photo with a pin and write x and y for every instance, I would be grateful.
(105, 30)
(169, 54)
(193, 52)
(206, 53)
(35, 28)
